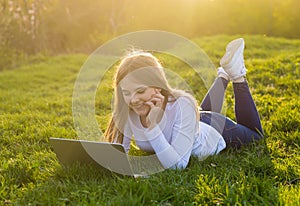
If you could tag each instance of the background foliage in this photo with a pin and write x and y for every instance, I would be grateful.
(57, 26)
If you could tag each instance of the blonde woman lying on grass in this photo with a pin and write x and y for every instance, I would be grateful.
(167, 121)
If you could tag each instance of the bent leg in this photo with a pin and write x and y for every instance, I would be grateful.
(213, 100)
(245, 108)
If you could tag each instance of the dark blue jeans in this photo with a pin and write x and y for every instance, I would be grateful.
(247, 127)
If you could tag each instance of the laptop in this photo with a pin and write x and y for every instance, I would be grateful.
(103, 155)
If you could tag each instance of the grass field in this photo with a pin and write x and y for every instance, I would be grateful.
(36, 103)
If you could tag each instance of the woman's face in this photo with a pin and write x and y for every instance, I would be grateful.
(135, 95)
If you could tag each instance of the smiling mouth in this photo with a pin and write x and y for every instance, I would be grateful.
(138, 106)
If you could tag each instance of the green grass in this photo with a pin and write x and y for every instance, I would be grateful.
(36, 103)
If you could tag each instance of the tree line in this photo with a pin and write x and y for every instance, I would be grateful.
(56, 26)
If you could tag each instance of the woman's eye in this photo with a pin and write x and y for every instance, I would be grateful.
(141, 91)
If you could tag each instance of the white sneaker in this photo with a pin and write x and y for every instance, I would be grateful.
(233, 59)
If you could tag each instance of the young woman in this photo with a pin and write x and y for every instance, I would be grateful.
(167, 121)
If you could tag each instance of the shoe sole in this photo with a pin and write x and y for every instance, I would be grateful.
(233, 46)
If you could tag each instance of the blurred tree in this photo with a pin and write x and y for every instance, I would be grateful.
(19, 23)
(287, 18)
(82, 25)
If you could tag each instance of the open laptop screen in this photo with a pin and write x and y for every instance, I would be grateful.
(103, 155)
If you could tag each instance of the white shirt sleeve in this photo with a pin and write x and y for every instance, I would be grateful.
(127, 138)
(176, 154)
(126, 143)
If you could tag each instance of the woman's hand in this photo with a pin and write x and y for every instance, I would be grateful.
(155, 114)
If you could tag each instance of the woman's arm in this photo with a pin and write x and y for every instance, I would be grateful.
(127, 138)
(176, 154)
(126, 143)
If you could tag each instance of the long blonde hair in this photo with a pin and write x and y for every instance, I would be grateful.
(152, 75)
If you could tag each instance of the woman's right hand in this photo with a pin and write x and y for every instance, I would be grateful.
(156, 110)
